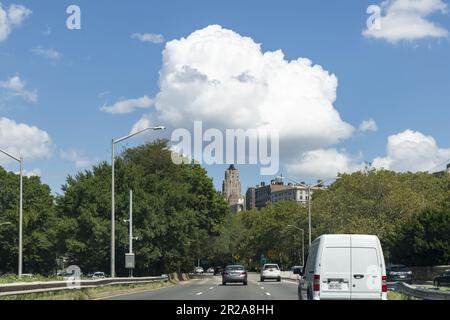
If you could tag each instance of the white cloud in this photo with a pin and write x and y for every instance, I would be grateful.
(368, 125)
(23, 140)
(17, 87)
(76, 157)
(412, 151)
(407, 20)
(48, 53)
(127, 106)
(10, 18)
(324, 163)
(227, 81)
(148, 37)
(143, 123)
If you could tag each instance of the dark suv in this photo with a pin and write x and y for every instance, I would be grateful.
(399, 273)
(218, 271)
(442, 279)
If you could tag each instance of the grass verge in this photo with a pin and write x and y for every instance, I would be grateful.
(90, 293)
(392, 295)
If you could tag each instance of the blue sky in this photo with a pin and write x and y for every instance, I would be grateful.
(401, 85)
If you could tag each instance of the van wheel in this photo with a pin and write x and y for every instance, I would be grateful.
(300, 294)
(224, 283)
(245, 283)
(309, 295)
(279, 279)
(262, 279)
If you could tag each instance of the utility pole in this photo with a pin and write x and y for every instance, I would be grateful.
(131, 228)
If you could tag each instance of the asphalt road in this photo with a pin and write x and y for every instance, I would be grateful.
(211, 288)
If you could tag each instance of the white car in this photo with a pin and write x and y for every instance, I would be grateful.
(98, 275)
(270, 271)
(199, 270)
(344, 267)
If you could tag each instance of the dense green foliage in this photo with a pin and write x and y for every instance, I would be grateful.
(384, 203)
(39, 225)
(176, 213)
(424, 240)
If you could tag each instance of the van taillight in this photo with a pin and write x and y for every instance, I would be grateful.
(384, 287)
(316, 284)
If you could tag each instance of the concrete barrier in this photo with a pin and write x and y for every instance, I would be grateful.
(421, 293)
(38, 287)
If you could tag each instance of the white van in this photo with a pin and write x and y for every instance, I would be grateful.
(344, 267)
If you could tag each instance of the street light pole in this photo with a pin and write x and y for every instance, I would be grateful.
(309, 203)
(113, 208)
(20, 160)
(309, 216)
(21, 220)
(303, 242)
(309, 188)
(131, 221)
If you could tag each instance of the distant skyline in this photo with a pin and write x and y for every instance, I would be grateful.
(345, 83)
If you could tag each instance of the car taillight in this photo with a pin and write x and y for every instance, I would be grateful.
(384, 287)
(316, 284)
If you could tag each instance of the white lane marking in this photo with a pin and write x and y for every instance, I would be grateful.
(268, 293)
(199, 294)
(211, 288)
(262, 288)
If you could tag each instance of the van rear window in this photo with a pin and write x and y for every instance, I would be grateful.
(336, 260)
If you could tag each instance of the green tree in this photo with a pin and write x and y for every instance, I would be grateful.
(176, 212)
(39, 225)
(424, 240)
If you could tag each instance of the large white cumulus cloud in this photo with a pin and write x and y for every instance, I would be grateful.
(412, 151)
(227, 81)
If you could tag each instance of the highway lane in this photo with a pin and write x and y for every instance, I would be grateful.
(211, 288)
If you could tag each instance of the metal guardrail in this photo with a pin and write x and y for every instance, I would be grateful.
(421, 293)
(39, 287)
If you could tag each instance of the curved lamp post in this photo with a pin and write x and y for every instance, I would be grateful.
(113, 226)
(310, 187)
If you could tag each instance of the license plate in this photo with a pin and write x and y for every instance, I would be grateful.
(335, 286)
(402, 277)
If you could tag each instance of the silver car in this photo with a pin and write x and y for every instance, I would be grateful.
(234, 274)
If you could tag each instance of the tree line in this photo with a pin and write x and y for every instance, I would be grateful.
(409, 212)
(179, 217)
(177, 214)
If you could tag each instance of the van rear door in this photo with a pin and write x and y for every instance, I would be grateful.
(366, 273)
(335, 273)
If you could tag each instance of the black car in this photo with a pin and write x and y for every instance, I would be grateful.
(218, 271)
(399, 273)
(442, 279)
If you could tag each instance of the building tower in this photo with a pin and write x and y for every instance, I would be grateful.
(231, 189)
